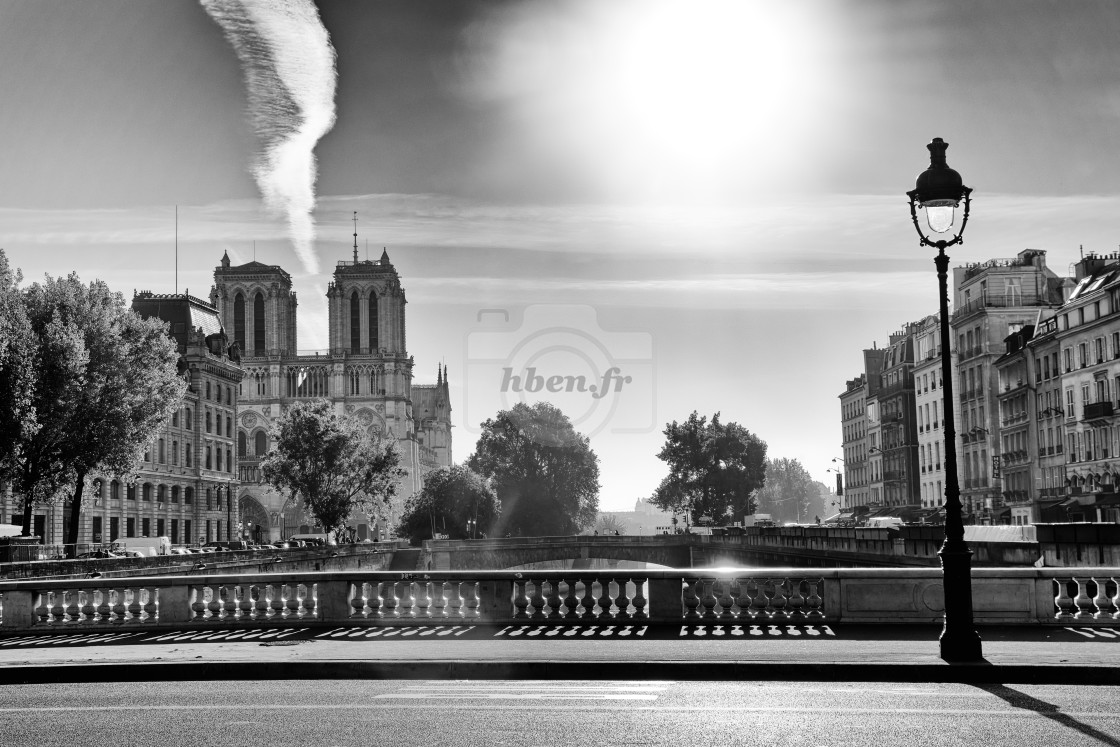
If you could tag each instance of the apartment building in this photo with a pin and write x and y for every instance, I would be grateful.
(993, 300)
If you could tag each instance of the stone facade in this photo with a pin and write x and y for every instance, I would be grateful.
(366, 372)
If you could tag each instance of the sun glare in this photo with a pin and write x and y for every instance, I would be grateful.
(707, 88)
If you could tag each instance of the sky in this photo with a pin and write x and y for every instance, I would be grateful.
(693, 205)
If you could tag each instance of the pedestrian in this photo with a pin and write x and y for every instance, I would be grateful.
(818, 521)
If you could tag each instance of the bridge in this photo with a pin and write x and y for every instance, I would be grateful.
(801, 547)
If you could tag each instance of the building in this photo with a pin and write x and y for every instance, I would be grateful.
(1088, 341)
(186, 486)
(861, 430)
(929, 402)
(899, 433)
(993, 300)
(366, 372)
(853, 408)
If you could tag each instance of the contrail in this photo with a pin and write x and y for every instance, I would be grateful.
(289, 66)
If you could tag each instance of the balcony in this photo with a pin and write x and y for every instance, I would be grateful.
(1098, 413)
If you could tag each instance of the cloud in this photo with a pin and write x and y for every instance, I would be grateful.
(289, 67)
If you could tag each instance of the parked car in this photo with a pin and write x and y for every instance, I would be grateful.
(98, 554)
(129, 554)
(180, 551)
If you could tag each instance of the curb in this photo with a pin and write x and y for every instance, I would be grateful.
(459, 669)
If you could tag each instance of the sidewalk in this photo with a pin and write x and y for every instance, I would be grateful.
(1083, 654)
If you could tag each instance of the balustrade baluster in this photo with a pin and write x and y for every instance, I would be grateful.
(405, 601)
(151, 604)
(245, 602)
(638, 600)
(722, 592)
(359, 606)
(455, 601)
(813, 600)
(537, 600)
(87, 610)
(57, 607)
(555, 601)
(622, 598)
(104, 611)
(691, 598)
(1101, 601)
(439, 599)
(1062, 600)
(766, 592)
(749, 591)
(1082, 603)
(570, 600)
(307, 601)
(470, 600)
(520, 599)
(276, 602)
(389, 599)
(213, 602)
(228, 607)
(708, 598)
(588, 600)
(795, 602)
(606, 599)
(135, 608)
(1116, 598)
(423, 598)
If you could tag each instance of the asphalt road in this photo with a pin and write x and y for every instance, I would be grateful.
(536, 713)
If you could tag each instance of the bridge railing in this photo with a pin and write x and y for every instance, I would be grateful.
(724, 595)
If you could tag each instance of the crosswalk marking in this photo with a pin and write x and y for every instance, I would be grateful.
(534, 691)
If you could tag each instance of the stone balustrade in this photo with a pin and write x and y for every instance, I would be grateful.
(733, 595)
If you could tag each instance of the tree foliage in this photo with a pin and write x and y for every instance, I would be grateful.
(790, 493)
(544, 472)
(451, 497)
(331, 463)
(17, 369)
(105, 382)
(714, 468)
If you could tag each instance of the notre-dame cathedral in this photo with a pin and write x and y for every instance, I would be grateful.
(366, 372)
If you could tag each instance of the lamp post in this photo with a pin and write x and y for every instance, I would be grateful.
(938, 192)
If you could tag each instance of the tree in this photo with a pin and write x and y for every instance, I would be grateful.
(714, 468)
(789, 493)
(544, 472)
(106, 381)
(609, 524)
(17, 370)
(331, 463)
(455, 501)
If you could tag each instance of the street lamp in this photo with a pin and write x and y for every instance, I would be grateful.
(939, 191)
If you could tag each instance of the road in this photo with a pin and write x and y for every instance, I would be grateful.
(536, 713)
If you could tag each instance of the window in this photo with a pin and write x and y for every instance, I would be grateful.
(161, 493)
(207, 390)
(355, 323)
(130, 527)
(218, 498)
(208, 462)
(174, 493)
(175, 419)
(175, 452)
(239, 321)
(187, 454)
(229, 426)
(209, 500)
(1082, 355)
(160, 452)
(373, 341)
(218, 422)
(1100, 349)
(260, 443)
(147, 495)
(218, 393)
(145, 527)
(1067, 354)
(188, 419)
(188, 496)
(242, 444)
(130, 492)
(258, 323)
(114, 491)
(229, 460)
(208, 421)
(187, 531)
